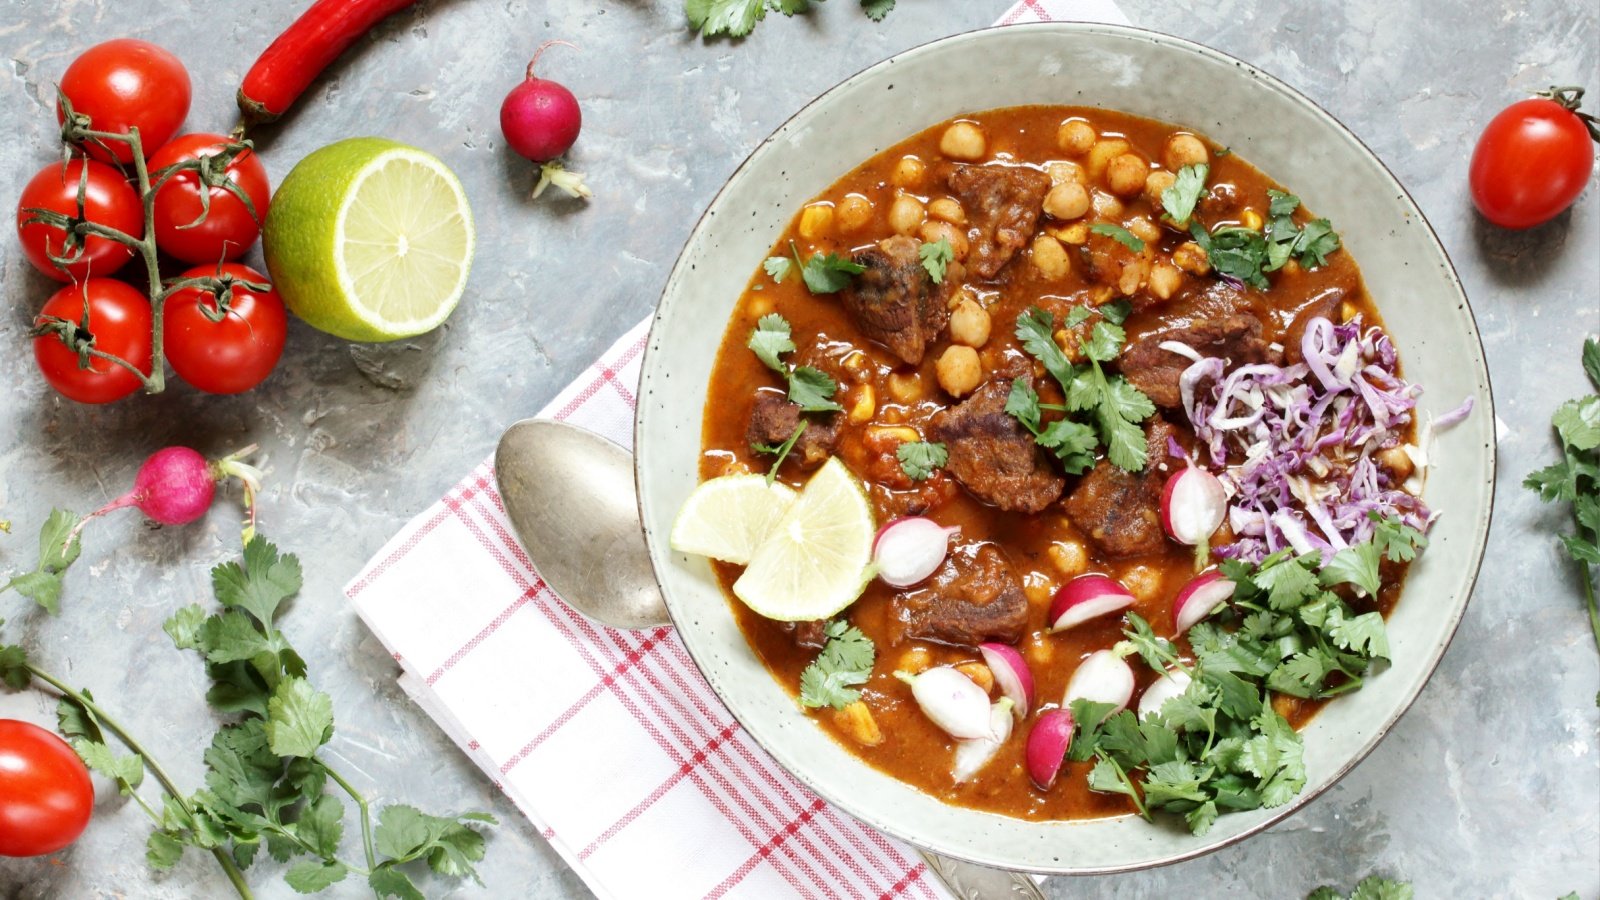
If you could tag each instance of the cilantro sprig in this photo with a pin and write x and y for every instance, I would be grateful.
(823, 273)
(809, 388)
(781, 451)
(919, 459)
(936, 257)
(1248, 256)
(1576, 480)
(58, 549)
(845, 663)
(1119, 234)
(1113, 406)
(737, 18)
(1372, 887)
(1180, 199)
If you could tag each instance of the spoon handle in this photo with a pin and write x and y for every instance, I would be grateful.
(969, 881)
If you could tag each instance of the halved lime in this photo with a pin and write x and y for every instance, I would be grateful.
(818, 558)
(727, 518)
(370, 240)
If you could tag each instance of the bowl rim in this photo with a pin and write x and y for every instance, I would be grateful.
(1479, 537)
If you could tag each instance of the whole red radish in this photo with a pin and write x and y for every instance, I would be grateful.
(176, 485)
(540, 120)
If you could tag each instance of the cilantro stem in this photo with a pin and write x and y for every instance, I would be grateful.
(366, 812)
(111, 725)
(1594, 608)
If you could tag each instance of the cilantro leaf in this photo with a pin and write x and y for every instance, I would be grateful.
(162, 850)
(734, 18)
(1235, 252)
(1115, 406)
(1316, 240)
(935, 257)
(846, 661)
(1357, 565)
(1036, 332)
(387, 881)
(781, 450)
(1022, 404)
(1074, 443)
(812, 390)
(1179, 200)
(778, 267)
(1591, 361)
(1578, 423)
(1371, 887)
(14, 667)
(1398, 541)
(56, 554)
(829, 274)
(312, 876)
(1076, 316)
(1116, 312)
(1363, 634)
(918, 459)
(877, 9)
(1119, 234)
(1105, 342)
(299, 718)
(259, 584)
(771, 338)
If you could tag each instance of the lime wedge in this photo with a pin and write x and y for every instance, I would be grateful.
(818, 558)
(370, 240)
(727, 518)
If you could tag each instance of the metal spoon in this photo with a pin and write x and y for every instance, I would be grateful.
(570, 496)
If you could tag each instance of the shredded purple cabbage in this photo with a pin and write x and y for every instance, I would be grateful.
(1303, 438)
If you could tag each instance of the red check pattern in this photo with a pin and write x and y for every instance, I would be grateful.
(672, 799)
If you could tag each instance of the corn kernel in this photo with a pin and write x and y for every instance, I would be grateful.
(1189, 257)
(905, 434)
(979, 673)
(866, 404)
(1076, 233)
(1038, 588)
(1250, 219)
(1347, 311)
(856, 720)
(905, 388)
(816, 221)
(915, 660)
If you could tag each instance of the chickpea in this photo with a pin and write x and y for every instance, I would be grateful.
(906, 214)
(1133, 276)
(1106, 206)
(1069, 557)
(959, 370)
(1066, 171)
(1143, 582)
(1050, 258)
(816, 221)
(1189, 257)
(1102, 153)
(1156, 185)
(1184, 150)
(981, 675)
(1038, 588)
(1075, 136)
(854, 212)
(969, 324)
(1067, 200)
(1165, 279)
(1397, 461)
(1126, 174)
(964, 141)
(1144, 229)
(908, 172)
(932, 232)
(1040, 651)
(905, 387)
(949, 210)
(915, 660)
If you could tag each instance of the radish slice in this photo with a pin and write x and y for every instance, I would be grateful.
(975, 754)
(1085, 597)
(1103, 678)
(910, 549)
(1168, 686)
(1199, 598)
(1011, 673)
(952, 701)
(1047, 746)
(1192, 505)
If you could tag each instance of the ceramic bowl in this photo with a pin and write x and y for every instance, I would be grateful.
(1272, 126)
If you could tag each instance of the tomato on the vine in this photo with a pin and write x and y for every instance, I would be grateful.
(230, 225)
(224, 341)
(46, 796)
(108, 199)
(100, 314)
(122, 84)
(1533, 159)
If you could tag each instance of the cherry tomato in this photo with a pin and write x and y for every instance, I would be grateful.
(1533, 160)
(119, 323)
(230, 227)
(224, 351)
(45, 793)
(124, 84)
(108, 200)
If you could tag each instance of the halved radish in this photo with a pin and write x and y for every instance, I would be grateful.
(1011, 673)
(1203, 594)
(1192, 505)
(1104, 678)
(1170, 685)
(975, 754)
(951, 701)
(1047, 746)
(910, 549)
(1086, 597)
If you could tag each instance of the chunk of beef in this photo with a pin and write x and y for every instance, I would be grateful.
(1120, 511)
(774, 418)
(1003, 204)
(1155, 371)
(1324, 305)
(974, 597)
(992, 455)
(812, 634)
(895, 301)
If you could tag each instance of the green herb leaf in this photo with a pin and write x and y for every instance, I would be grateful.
(829, 274)
(299, 718)
(1179, 200)
(935, 257)
(56, 554)
(919, 459)
(1578, 423)
(1036, 332)
(1591, 360)
(1116, 312)
(261, 583)
(1022, 404)
(1105, 342)
(877, 9)
(127, 771)
(14, 667)
(1074, 443)
(1234, 252)
(1398, 541)
(312, 876)
(771, 338)
(387, 881)
(322, 824)
(778, 267)
(812, 390)
(1076, 316)
(1356, 565)
(162, 851)
(734, 18)
(846, 661)
(1119, 234)
(781, 450)
(186, 627)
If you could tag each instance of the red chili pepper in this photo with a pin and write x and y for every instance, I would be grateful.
(290, 63)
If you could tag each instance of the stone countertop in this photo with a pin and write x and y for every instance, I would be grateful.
(1490, 786)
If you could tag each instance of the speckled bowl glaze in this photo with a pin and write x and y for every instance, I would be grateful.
(1148, 74)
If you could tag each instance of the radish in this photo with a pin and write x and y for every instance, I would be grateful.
(1170, 685)
(1047, 746)
(1086, 597)
(975, 754)
(540, 120)
(1104, 678)
(1011, 673)
(910, 549)
(952, 701)
(1199, 598)
(1192, 506)
(176, 485)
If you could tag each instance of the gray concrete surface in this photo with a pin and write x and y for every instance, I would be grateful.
(1489, 787)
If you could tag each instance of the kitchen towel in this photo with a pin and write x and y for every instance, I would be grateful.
(609, 741)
